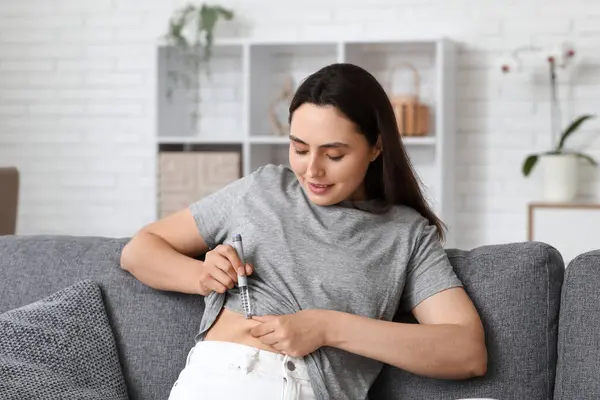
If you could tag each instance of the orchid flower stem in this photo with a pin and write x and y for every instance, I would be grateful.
(553, 106)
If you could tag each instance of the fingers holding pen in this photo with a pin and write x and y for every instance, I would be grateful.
(220, 270)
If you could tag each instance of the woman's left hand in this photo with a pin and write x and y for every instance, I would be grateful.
(295, 335)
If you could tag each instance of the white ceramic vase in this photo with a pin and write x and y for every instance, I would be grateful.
(559, 177)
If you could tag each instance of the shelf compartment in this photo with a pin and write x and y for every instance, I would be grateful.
(271, 65)
(387, 63)
(217, 104)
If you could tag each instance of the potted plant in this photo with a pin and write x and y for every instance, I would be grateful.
(189, 40)
(559, 165)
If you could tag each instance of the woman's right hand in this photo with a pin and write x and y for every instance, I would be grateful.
(220, 269)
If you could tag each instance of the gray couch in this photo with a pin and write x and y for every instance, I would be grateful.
(542, 324)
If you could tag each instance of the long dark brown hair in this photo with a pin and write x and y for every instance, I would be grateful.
(356, 93)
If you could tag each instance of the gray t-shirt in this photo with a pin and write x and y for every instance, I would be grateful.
(338, 257)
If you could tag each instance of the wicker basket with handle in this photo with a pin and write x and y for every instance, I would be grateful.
(412, 116)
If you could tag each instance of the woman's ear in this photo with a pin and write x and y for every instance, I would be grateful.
(377, 149)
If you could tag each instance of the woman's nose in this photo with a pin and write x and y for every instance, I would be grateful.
(314, 168)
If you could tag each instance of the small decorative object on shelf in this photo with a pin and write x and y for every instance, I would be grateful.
(412, 116)
(279, 108)
(559, 165)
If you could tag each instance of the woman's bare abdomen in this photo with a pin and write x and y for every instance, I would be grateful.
(233, 327)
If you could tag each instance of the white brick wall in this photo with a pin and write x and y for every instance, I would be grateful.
(77, 98)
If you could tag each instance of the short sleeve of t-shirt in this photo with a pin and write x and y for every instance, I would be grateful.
(213, 212)
(429, 270)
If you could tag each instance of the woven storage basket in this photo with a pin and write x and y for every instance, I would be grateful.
(412, 116)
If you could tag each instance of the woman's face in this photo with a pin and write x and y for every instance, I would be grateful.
(329, 157)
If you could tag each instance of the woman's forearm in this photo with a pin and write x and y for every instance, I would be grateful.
(441, 351)
(157, 264)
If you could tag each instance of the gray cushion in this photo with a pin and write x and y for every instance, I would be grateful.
(154, 330)
(516, 289)
(60, 347)
(577, 374)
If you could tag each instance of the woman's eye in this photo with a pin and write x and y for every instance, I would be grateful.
(303, 152)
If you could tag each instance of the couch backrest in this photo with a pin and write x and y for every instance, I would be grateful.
(516, 289)
(154, 330)
(577, 374)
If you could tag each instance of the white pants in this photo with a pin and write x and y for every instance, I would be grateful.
(223, 370)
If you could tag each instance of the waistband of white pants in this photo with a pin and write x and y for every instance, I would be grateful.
(217, 354)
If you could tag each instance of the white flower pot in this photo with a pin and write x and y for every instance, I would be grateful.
(559, 177)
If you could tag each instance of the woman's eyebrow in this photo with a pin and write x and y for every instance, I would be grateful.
(326, 145)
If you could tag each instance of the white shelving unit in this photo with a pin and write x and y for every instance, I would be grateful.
(245, 77)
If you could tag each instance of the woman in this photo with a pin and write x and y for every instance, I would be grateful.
(336, 245)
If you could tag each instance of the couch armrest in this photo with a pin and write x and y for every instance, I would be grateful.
(579, 330)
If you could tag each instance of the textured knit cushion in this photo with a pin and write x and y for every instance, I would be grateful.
(60, 347)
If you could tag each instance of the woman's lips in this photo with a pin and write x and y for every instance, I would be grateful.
(318, 188)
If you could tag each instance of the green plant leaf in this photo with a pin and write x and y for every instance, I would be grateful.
(572, 128)
(208, 17)
(587, 158)
(177, 23)
(225, 13)
(529, 163)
